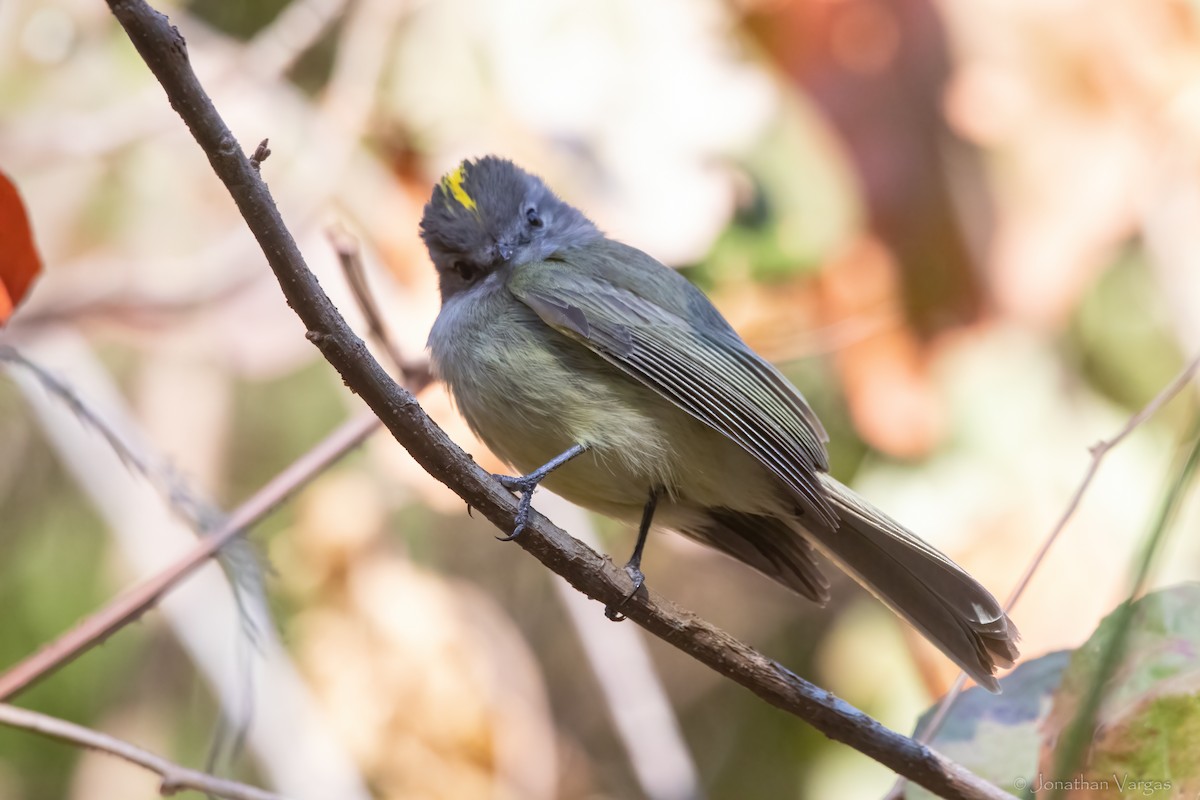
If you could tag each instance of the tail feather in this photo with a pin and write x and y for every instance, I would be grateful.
(931, 592)
(768, 544)
(920, 584)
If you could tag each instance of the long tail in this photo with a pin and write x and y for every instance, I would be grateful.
(934, 594)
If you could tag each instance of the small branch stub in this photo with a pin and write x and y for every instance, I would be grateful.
(260, 154)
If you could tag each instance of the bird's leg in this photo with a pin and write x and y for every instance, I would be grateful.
(634, 566)
(525, 484)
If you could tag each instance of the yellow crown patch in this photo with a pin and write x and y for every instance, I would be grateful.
(452, 185)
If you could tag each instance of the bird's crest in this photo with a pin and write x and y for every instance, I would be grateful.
(452, 187)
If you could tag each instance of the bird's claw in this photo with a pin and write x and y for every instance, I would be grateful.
(639, 580)
(523, 486)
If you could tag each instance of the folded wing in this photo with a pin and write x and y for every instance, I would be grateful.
(706, 370)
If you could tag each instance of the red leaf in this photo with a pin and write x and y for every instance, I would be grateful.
(19, 260)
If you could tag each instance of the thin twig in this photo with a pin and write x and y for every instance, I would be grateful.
(198, 512)
(1081, 731)
(90, 418)
(1098, 451)
(165, 52)
(241, 566)
(415, 375)
(120, 612)
(175, 778)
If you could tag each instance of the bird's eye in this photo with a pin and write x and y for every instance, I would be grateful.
(531, 216)
(465, 269)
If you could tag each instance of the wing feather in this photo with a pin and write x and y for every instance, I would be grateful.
(706, 371)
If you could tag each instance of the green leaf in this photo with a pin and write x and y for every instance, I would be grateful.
(1148, 724)
(998, 736)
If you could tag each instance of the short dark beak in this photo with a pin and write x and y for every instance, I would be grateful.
(505, 250)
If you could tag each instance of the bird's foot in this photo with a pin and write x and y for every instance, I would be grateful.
(522, 485)
(639, 580)
(525, 484)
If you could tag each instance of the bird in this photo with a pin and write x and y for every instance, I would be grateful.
(595, 370)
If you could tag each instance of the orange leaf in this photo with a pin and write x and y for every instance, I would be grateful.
(19, 261)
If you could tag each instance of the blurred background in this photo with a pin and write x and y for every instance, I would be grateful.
(966, 229)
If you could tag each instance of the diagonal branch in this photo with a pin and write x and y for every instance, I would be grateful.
(165, 52)
(131, 605)
(175, 778)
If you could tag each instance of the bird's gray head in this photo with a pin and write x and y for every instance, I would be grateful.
(490, 213)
